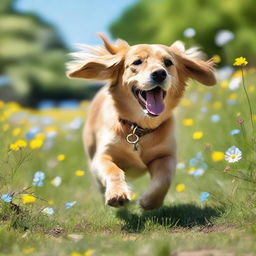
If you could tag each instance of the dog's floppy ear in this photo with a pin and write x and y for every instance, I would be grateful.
(192, 64)
(99, 63)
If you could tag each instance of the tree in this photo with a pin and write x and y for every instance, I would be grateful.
(32, 55)
(164, 21)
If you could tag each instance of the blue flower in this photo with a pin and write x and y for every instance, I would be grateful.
(32, 133)
(198, 164)
(193, 162)
(198, 172)
(70, 204)
(76, 123)
(208, 96)
(204, 196)
(6, 198)
(197, 160)
(38, 179)
(215, 118)
(48, 210)
(199, 156)
(204, 109)
(231, 102)
(235, 132)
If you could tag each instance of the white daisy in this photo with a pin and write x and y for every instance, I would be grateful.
(48, 210)
(180, 165)
(223, 37)
(56, 181)
(189, 32)
(233, 154)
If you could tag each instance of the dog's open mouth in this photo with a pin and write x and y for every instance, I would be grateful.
(152, 101)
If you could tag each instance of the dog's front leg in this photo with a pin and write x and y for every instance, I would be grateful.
(112, 178)
(161, 171)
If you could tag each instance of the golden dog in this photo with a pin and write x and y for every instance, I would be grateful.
(130, 127)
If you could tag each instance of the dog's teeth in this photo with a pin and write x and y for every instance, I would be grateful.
(145, 111)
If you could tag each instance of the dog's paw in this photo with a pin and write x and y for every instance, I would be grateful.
(117, 197)
(148, 203)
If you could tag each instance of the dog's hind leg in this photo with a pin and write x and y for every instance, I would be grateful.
(161, 171)
(112, 178)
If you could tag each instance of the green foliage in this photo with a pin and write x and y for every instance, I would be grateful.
(164, 21)
(6, 5)
(33, 56)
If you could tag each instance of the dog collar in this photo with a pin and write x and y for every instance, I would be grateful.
(136, 133)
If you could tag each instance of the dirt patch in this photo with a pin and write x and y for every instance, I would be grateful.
(217, 228)
(56, 232)
(130, 237)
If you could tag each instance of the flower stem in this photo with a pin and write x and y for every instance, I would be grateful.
(248, 99)
(243, 130)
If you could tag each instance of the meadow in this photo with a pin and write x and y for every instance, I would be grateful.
(49, 204)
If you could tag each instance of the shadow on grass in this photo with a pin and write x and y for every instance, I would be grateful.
(183, 215)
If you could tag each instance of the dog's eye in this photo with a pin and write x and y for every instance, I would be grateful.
(168, 62)
(137, 62)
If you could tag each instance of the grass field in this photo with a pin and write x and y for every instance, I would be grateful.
(211, 205)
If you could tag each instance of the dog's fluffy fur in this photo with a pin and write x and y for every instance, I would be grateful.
(111, 157)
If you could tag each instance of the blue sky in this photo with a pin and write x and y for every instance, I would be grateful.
(77, 20)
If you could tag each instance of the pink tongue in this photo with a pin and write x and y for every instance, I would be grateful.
(154, 101)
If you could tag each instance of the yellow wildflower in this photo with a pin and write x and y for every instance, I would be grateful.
(14, 106)
(197, 135)
(241, 61)
(224, 84)
(79, 173)
(50, 129)
(84, 103)
(217, 105)
(191, 170)
(36, 143)
(254, 118)
(217, 156)
(40, 136)
(188, 122)
(14, 147)
(6, 114)
(50, 202)
(1, 104)
(238, 73)
(233, 96)
(180, 187)
(133, 196)
(16, 131)
(216, 58)
(88, 252)
(27, 199)
(21, 143)
(76, 254)
(60, 157)
(28, 250)
(18, 145)
(185, 102)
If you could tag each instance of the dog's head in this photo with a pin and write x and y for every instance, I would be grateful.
(153, 75)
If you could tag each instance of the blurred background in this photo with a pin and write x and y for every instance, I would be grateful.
(35, 37)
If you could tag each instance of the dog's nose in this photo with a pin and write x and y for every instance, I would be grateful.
(159, 75)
